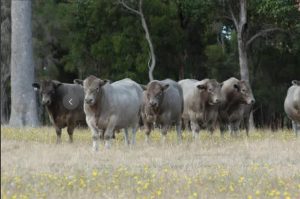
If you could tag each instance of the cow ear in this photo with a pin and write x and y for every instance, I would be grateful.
(237, 87)
(144, 87)
(56, 83)
(202, 86)
(36, 86)
(296, 82)
(103, 82)
(78, 81)
(164, 87)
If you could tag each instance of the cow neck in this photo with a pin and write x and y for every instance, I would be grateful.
(199, 106)
(100, 102)
(232, 104)
(53, 107)
(152, 110)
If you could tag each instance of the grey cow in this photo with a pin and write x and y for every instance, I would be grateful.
(56, 96)
(111, 107)
(163, 106)
(201, 103)
(292, 105)
(237, 104)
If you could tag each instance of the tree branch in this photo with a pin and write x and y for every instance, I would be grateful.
(226, 17)
(262, 33)
(129, 8)
(233, 18)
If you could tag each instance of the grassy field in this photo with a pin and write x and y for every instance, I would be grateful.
(265, 165)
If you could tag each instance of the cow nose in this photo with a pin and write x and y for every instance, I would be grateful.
(88, 101)
(152, 103)
(46, 102)
(217, 101)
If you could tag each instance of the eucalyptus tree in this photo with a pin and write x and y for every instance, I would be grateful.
(23, 98)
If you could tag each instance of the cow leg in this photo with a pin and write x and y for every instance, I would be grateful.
(211, 129)
(164, 131)
(95, 137)
(148, 127)
(296, 127)
(179, 133)
(126, 137)
(234, 128)
(222, 129)
(246, 122)
(195, 129)
(58, 135)
(70, 130)
(108, 138)
(134, 129)
(186, 124)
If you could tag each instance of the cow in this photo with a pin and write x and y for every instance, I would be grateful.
(110, 107)
(201, 103)
(292, 105)
(64, 104)
(162, 106)
(236, 105)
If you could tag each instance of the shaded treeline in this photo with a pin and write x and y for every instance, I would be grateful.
(191, 39)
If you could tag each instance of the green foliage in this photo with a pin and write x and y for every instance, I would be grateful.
(191, 39)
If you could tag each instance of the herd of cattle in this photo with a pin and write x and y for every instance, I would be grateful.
(108, 107)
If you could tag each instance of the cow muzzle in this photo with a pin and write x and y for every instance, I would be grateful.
(215, 102)
(251, 101)
(153, 104)
(89, 101)
(46, 102)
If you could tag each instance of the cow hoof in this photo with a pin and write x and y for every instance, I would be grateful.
(95, 149)
(107, 145)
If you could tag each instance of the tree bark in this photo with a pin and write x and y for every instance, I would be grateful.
(243, 59)
(5, 59)
(23, 98)
(240, 24)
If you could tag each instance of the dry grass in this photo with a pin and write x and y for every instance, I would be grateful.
(266, 165)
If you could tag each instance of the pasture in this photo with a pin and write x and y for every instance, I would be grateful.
(265, 165)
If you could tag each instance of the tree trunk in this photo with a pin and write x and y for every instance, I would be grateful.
(243, 59)
(5, 59)
(148, 38)
(23, 98)
(244, 70)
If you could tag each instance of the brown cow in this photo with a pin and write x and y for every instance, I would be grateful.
(64, 104)
(162, 105)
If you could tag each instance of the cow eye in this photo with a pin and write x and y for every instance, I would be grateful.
(97, 89)
(243, 90)
(210, 90)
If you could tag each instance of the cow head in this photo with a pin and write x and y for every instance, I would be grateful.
(212, 90)
(244, 92)
(47, 89)
(92, 88)
(155, 93)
